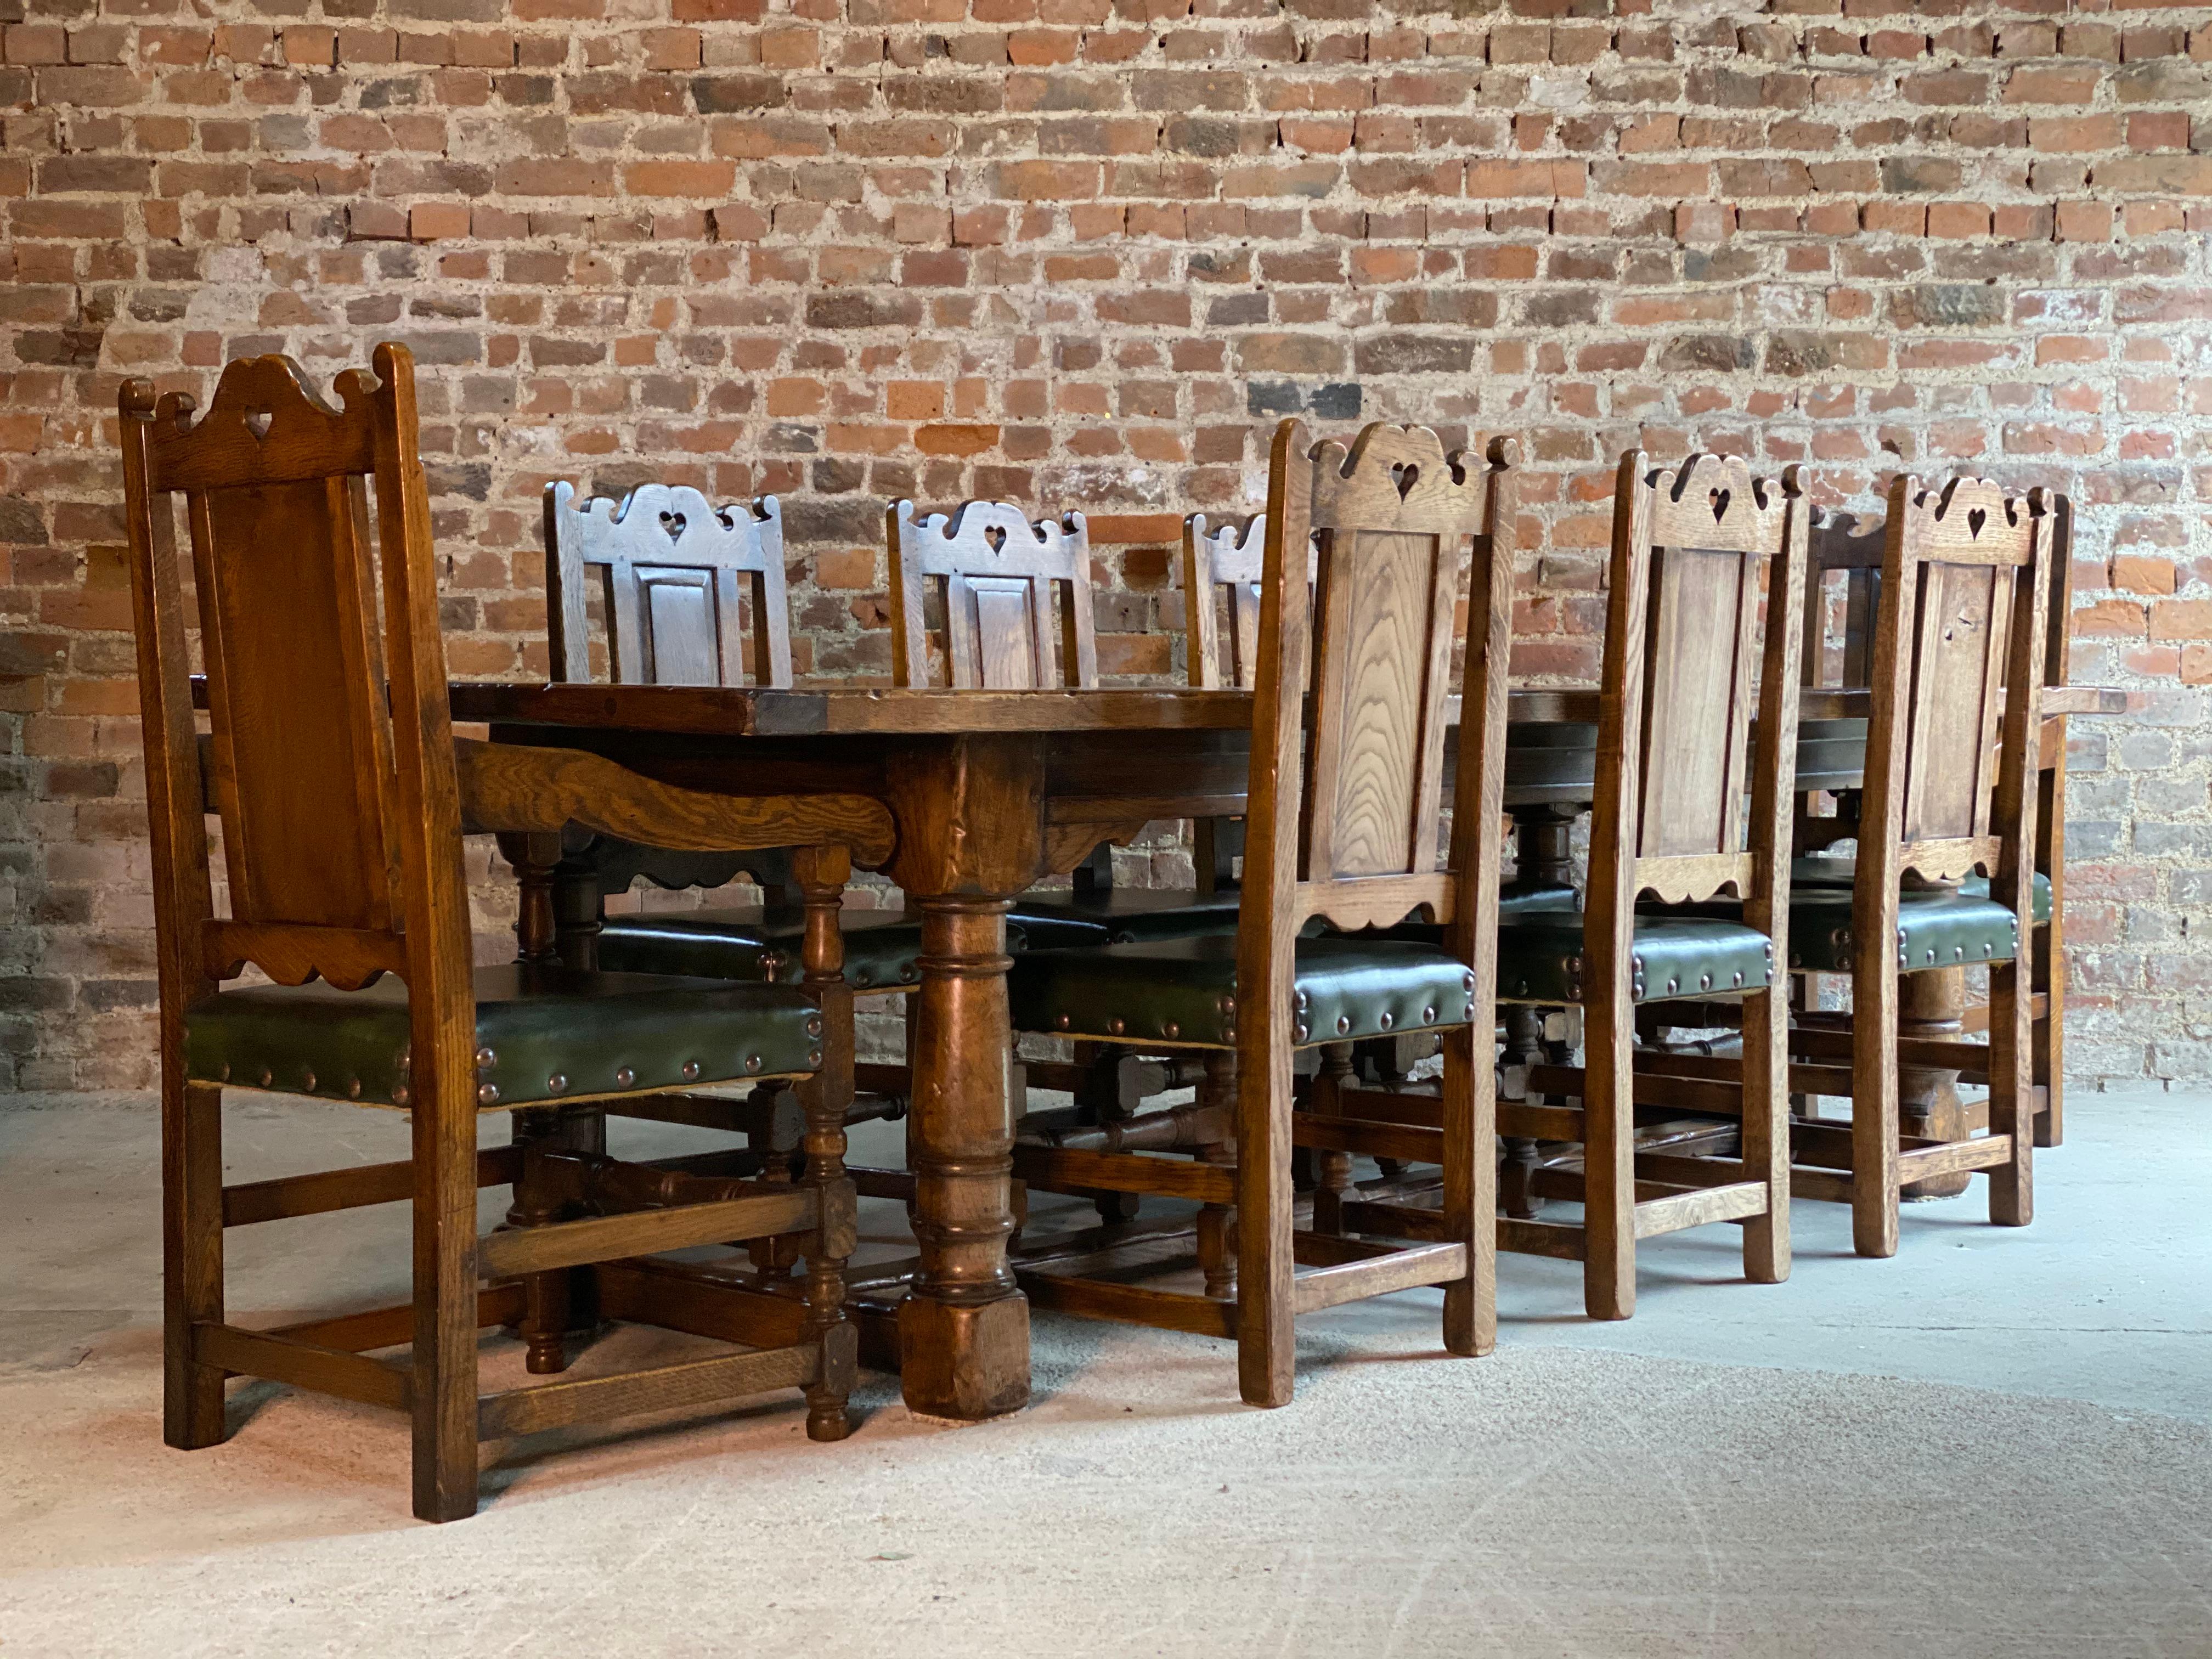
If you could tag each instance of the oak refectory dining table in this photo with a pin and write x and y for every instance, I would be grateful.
(993, 792)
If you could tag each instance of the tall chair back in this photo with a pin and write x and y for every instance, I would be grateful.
(340, 815)
(1003, 630)
(677, 573)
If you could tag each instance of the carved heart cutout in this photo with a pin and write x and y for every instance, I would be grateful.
(996, 535)
(1720, 500)
(673, 523)
(1405, 475)
(1975, 520)
(258, 423)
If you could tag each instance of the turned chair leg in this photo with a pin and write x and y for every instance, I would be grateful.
(821, 873)
(1217, 1257)
(1331, 1169)
(544, 1323)
(191, 1257)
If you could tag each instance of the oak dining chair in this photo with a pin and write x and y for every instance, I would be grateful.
(343, 797)
(1345, 827)
(1945, 872)
(1856, 547)
(1694, 800)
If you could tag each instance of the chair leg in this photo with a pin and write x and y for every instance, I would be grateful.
(1470, 1198)
(1331, 1169)
(2012, 1183)
(544, 1323)
(1266, 1340)
(445, 1361)
(1766, 1133)
(1217, 1257)
(1873, 1107)
(192, 1258)
(1609, 1157)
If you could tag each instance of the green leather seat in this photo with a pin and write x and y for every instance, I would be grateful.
(1819, 873)
(1120, 916)
(1184, 991)
(750, 941)
(1540, 957)
(542, 1034)
(1944, 928)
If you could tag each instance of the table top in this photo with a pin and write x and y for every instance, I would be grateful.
(750, 711)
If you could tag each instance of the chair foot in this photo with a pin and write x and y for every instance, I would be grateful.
(828, 1423)
(194, 1420)
(548, 1355)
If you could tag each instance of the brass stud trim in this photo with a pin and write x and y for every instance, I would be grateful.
(487, 1057)
(691, 1070)
(487, 1094)
(624, 1077)
(557, 1083)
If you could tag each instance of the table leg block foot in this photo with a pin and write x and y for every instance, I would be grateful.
(965, 1361)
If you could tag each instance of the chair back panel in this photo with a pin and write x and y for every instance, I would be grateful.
(1394, 518)
(1001, 574)
(677, 575)
(331, 741)
(1712, 530)
(1349, 714)
(1965, 597)
(1694, 546)
(303, 743)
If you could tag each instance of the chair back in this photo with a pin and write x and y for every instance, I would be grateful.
(1221, 598)
(1000, 572)
(340, 814)
(1345, 798)
(1683, 675)
(1959, 654)
(1857, 547)
(1851, 544)
(676, 574)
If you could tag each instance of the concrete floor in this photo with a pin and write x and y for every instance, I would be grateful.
(1999, 1443)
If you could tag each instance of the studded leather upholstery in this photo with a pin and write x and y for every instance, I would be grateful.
(1540, 958)
(542, 1034)
(750, 942)
(1942, 928)
(1184, 991)
(1120, 916)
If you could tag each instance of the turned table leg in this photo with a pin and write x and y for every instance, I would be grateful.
(965, 1328)
(1931, 1004)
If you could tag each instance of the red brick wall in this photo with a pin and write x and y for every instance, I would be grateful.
(1083, 252)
